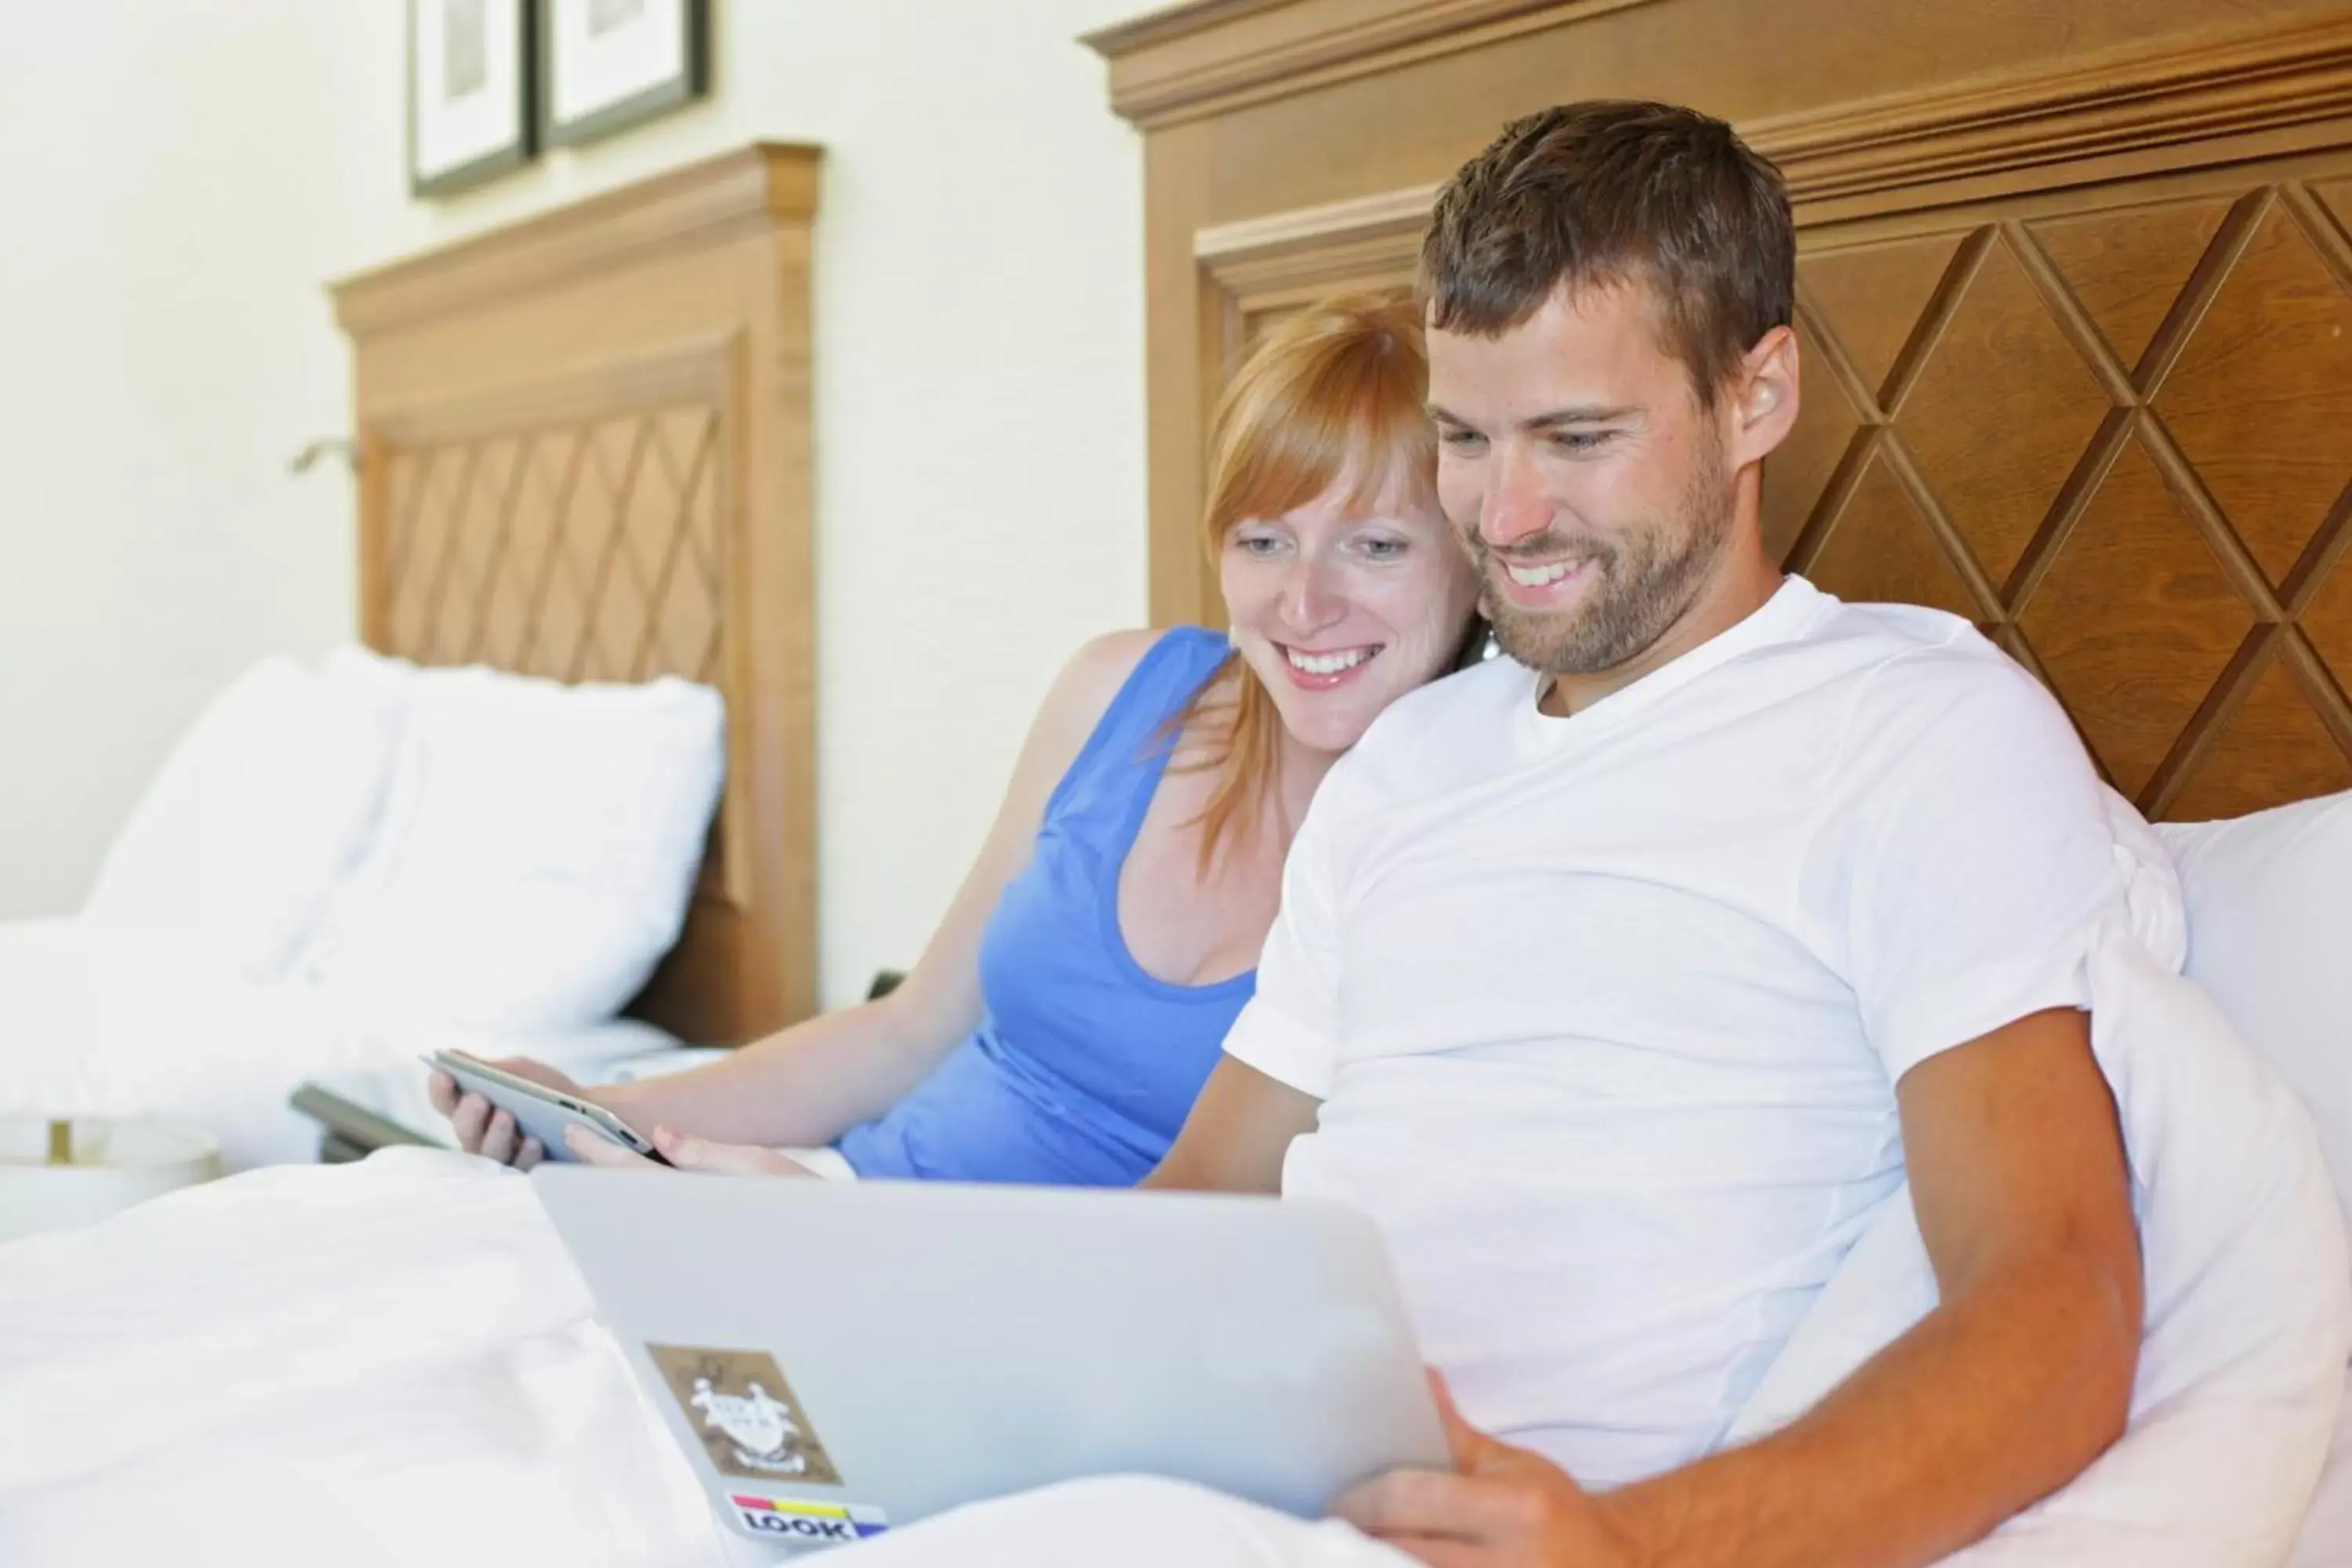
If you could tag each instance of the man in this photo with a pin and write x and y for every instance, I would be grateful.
(1621, 980)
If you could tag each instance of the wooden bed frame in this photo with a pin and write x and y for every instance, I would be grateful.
(2075, 296)
(584, 452)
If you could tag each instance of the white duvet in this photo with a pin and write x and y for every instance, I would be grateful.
(103, 1022)
(393, 1362)
(388, 1363)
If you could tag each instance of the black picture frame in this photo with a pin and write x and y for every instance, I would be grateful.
(518, 151)
(691, 83)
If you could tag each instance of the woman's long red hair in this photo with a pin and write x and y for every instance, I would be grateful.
(1333, 395)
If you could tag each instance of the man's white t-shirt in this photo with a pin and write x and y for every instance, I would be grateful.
(1606, 1012)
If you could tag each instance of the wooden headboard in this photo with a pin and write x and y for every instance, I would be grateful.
(2075, 296)
(585, 454)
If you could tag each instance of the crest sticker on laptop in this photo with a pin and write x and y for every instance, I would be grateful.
(751, 1424)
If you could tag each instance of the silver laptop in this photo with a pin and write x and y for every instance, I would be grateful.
(838, 1358)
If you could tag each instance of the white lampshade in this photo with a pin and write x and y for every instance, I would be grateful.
(117, 1162)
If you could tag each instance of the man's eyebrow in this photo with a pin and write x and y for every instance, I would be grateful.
(1583, 413)
(1574, 415)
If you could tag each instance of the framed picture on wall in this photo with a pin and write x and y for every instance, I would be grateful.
(610, 64)
(471, 110)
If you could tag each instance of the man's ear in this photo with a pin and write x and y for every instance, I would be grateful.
(1767, 404)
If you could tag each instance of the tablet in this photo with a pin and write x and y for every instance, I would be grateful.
(539, 1111)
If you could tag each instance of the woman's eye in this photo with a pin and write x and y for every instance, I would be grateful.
(1384, 549)
(1460, 440)
(1258, 544)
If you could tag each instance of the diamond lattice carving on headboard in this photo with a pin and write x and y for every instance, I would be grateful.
(2115, 440)
(587, 552)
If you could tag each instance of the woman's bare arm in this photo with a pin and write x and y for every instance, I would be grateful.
(807, 1084)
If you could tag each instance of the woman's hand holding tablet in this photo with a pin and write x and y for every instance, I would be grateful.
(519, 1111)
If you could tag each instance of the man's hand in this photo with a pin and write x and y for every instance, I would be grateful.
(1500, 1507)
(685, 1152)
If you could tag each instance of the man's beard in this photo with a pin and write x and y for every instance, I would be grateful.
(1640, 588)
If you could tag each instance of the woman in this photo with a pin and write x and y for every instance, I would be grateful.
(1066, 1011)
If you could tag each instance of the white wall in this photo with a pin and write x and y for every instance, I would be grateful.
(172, 194)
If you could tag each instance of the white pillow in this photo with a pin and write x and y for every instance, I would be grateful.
(2269, 903)
(2249, 1299)
(238, 843)
(539, 846)
(2270, 939)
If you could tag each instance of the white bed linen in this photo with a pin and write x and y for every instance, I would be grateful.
(2326, 1538)
(383, 1363)
(102, 1022)
(263, 806)
(536, 848)
(393, 1362)
(397, 1356)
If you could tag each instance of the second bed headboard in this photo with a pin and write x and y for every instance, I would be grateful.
(585, 454)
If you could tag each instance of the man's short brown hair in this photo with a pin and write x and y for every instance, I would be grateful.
(1602, 195)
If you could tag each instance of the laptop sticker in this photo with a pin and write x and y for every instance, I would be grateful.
(749, 1422)
(816, 1523)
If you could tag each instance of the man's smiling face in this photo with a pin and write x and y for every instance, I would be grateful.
(1591, 487)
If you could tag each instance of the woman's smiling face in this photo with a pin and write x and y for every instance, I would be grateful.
(1342, 606)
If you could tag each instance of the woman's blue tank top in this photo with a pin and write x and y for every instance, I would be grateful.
(1083, 1067)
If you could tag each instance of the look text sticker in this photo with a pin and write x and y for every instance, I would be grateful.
(814, 1524)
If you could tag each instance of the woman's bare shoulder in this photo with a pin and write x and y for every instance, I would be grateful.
(1092, 677)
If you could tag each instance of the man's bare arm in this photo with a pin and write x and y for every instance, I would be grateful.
(2018, 1380)
(1239, 1130)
